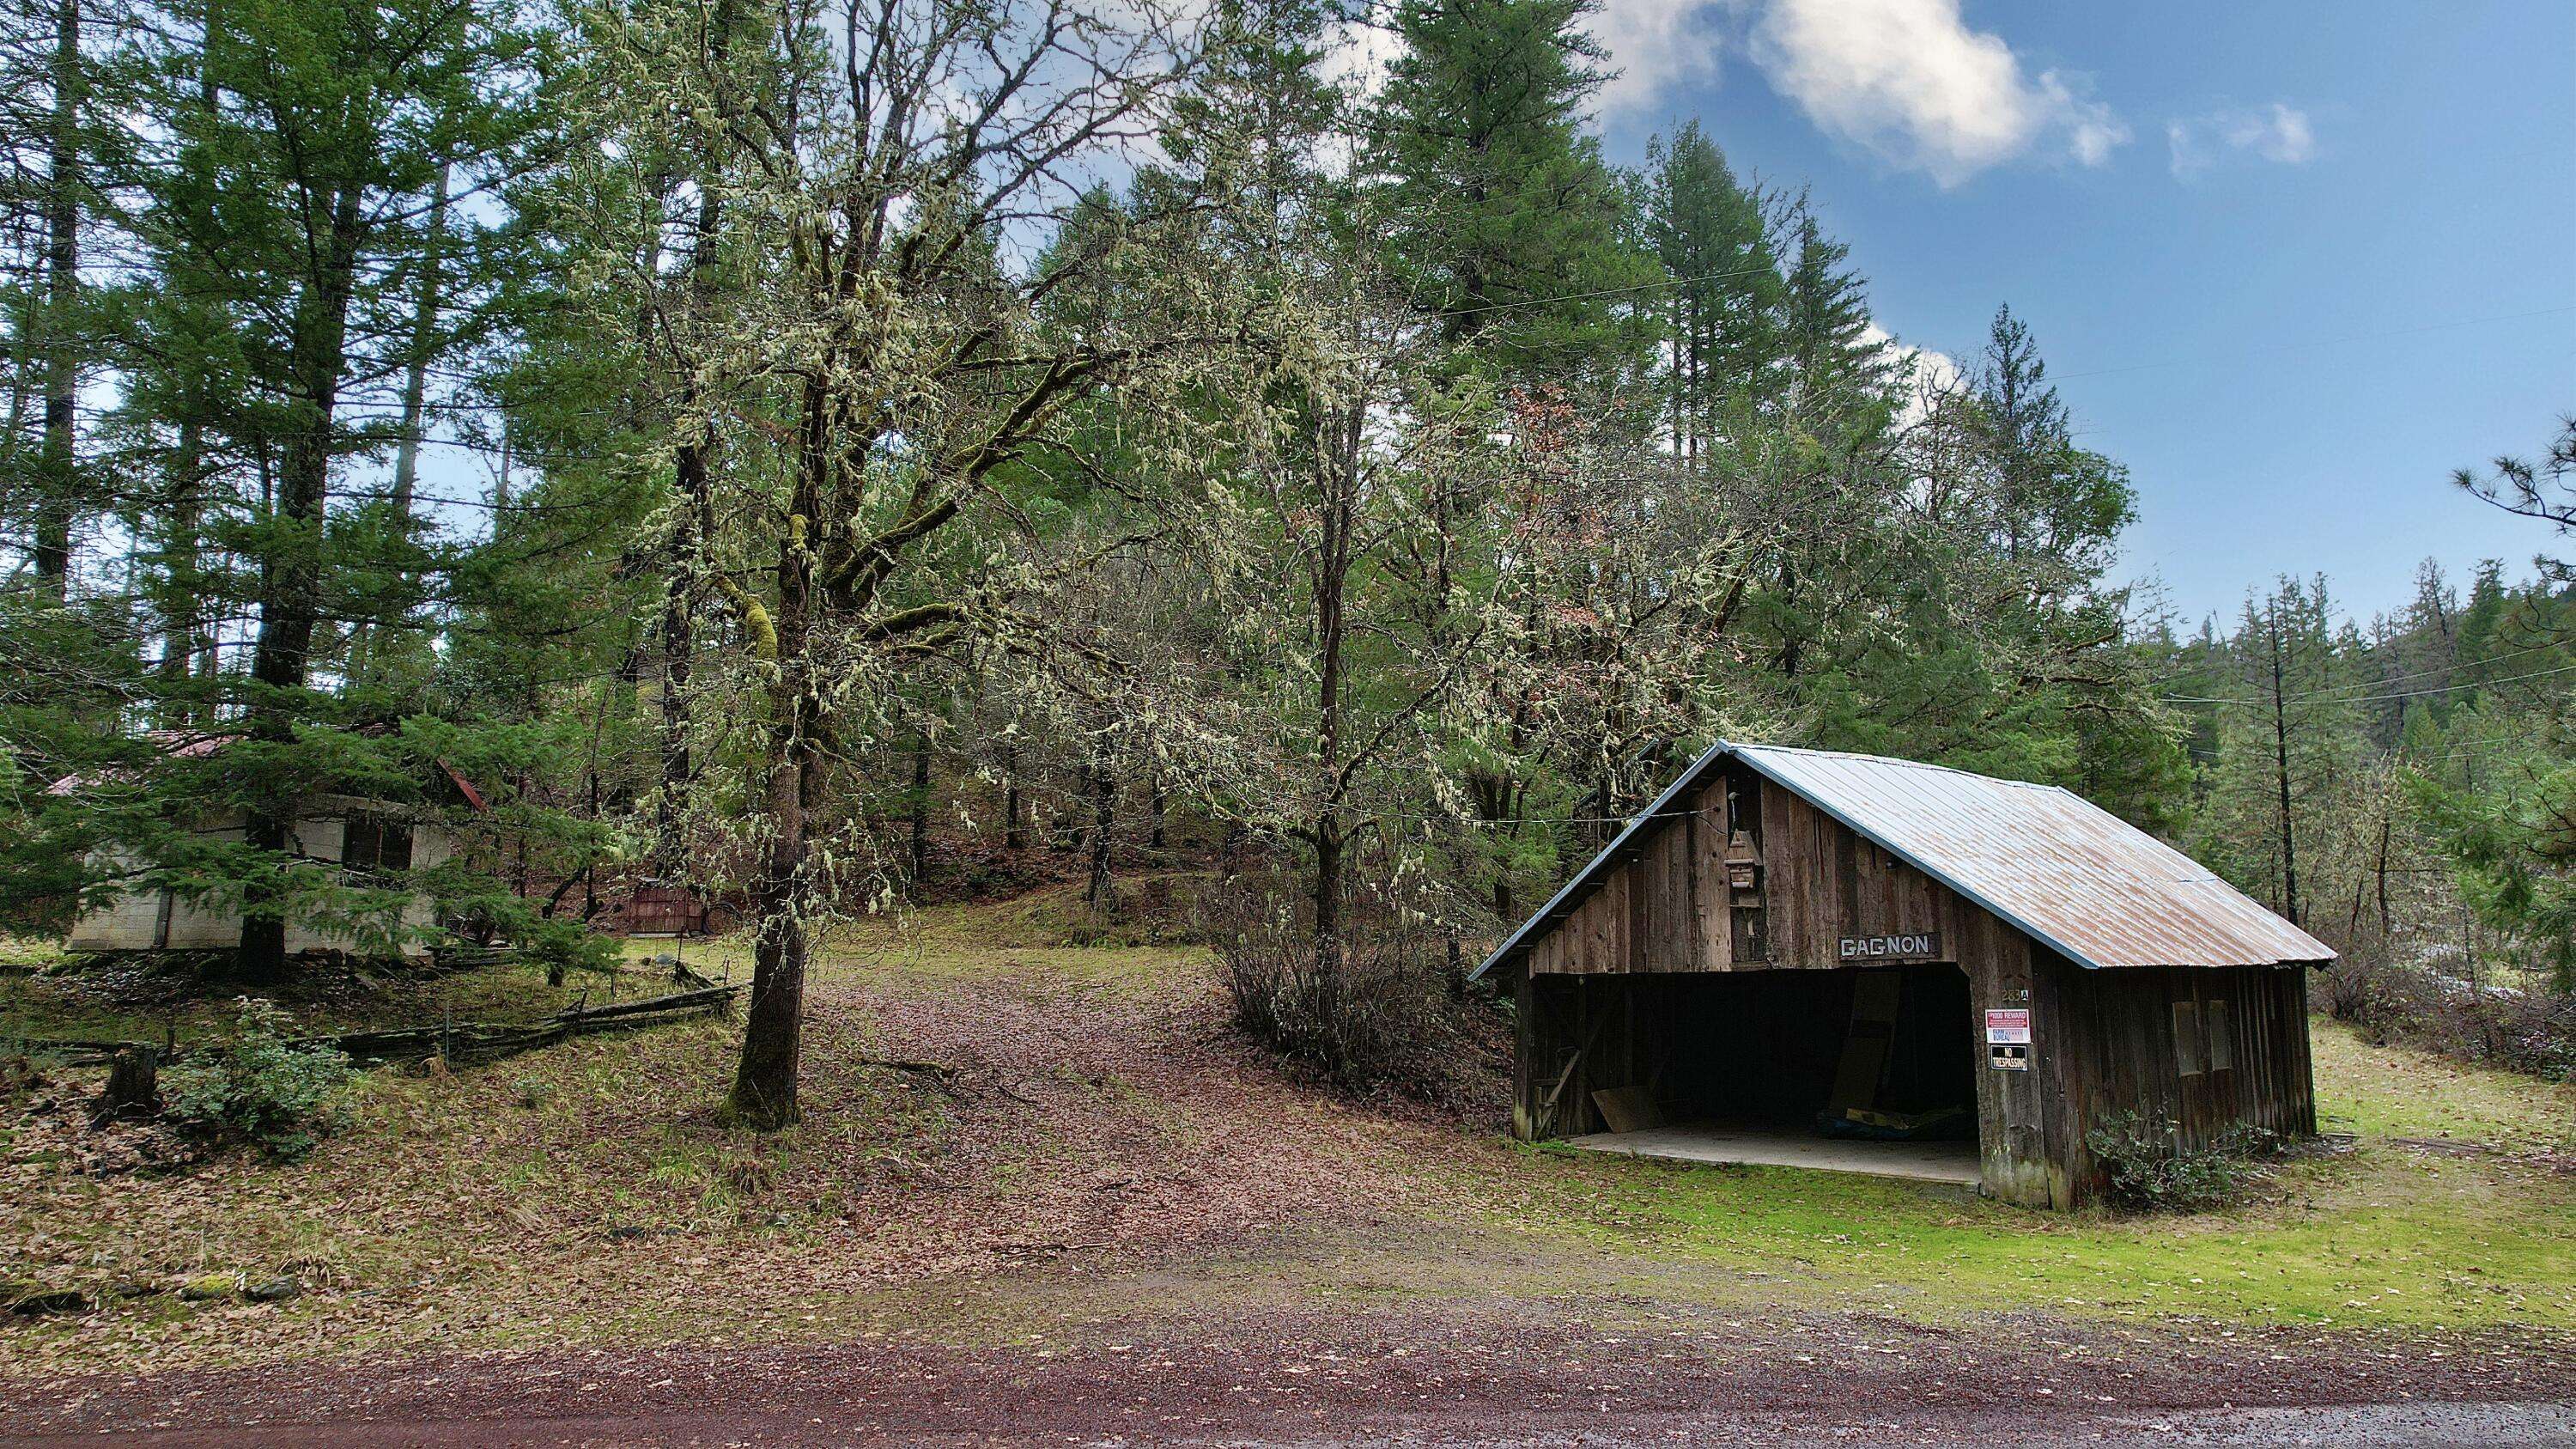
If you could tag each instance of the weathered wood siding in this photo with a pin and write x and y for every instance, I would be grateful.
(2121, 1046)
(1576, 1035)
(2102, 1041)
(1671, 909)
(1821, 882)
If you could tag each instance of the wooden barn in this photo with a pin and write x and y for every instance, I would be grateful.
(1842, 961)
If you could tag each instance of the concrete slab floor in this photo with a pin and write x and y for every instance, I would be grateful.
(1950, 1162)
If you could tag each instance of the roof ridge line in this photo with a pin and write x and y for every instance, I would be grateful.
(1907, 764)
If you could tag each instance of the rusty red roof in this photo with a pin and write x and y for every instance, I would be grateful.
(2062, 870)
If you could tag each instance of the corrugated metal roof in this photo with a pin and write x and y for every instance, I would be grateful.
(2066, 872)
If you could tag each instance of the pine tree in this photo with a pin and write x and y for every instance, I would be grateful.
(2050, 498)
(1724, 328)
(1500, 209)
(2288, 743)
(1839, 374)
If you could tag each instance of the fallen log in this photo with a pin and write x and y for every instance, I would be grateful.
(705, 996)
(457, 1042)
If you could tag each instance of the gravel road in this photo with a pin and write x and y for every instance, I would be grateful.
(1384, 1377)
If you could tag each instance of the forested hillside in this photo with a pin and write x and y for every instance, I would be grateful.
(827, 458)
(2402, 786)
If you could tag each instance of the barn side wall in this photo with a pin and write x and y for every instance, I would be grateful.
(2238, 1055)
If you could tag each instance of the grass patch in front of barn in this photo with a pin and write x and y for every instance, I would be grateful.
(2384, 1235)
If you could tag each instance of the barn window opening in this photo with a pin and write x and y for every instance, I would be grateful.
(2222, 1042)
(371, 843)
(2186, 1027)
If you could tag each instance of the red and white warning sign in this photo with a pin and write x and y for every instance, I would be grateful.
(2008, 1026)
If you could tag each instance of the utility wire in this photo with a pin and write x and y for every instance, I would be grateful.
(2385, 681)
(2370, 698)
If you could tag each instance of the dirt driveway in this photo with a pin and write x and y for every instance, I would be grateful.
(1492, 1376)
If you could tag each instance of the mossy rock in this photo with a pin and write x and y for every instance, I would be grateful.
(211, 1287)
(275, 1290)
(28, 1297)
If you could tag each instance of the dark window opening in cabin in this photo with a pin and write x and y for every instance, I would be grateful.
(370, 843)
(2186, 1032)
(2222, 1042)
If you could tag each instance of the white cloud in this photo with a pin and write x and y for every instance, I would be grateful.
(1656, 46)
(1934, 372)
(2277, 132)
(1911, 82)
(1357, 54)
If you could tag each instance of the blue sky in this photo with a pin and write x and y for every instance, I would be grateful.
(2261, 245)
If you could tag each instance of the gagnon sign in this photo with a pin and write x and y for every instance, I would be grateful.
(1908, 946)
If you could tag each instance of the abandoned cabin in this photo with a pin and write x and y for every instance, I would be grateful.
(1808, 958)
(362, 835)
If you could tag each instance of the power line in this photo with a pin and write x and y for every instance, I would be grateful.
(2386, 680)
(2331, 698)
(1654, 286)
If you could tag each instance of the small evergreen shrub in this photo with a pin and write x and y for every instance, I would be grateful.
(560, 948)
(258, 1085)
(2151, 1172)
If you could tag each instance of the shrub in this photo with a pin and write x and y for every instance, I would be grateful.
(2151, 1171)
(2441, 1003)
(561, 947)
(258, 1085)
(1387, 1015)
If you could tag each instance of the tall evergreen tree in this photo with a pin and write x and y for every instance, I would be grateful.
(1499, 208)
(1839, 373)
(1724, 331)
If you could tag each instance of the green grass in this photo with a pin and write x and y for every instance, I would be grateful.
(2478, 1256)
(2396, 1092)
(2380, 1235)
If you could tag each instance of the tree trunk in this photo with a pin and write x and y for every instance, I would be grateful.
(919, 804)
(764, 1084)
(1332, 578)
(1015, 829)
(679, 641)
(2383, 878)
(182, 516)
(679, 592)
(56, 465)
(424, 338)
(1104, 811)
(2281, 760)
(290, 571)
